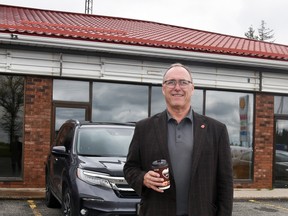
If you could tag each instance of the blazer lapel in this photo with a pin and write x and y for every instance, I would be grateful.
(160, 125)
(161, 128)
(200, 131)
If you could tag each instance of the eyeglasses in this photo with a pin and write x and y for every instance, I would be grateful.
(172, 83)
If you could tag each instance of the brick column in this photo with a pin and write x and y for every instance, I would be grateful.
(264, 139)
(38, 107)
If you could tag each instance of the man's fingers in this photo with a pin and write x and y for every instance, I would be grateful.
(157, 189)
(153, 174)
(152, 180)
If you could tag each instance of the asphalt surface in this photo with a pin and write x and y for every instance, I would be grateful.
(27, 207)
(260, 207)
(245, 207)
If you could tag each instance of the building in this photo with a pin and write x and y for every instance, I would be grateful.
(59, 65)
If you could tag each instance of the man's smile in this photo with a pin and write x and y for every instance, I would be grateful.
(177, 95)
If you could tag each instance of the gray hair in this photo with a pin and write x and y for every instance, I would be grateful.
(179, 65)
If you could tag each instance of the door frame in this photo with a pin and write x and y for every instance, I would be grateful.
(85, 106)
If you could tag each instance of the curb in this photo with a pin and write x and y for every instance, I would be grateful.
(22, 193)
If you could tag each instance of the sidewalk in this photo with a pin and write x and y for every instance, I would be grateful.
(39, 193)
(277, 193)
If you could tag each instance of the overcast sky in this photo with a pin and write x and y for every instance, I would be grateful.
(231, 17)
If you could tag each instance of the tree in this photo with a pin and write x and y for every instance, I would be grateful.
(264, 33)
(11, 103)
(251, 34)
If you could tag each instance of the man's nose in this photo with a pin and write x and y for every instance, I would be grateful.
(177, 85)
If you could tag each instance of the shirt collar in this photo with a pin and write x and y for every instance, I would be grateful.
(188, 116)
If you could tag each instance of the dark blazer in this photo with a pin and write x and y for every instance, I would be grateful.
(211, 188)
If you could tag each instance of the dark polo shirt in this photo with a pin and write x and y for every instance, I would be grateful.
(180, 145)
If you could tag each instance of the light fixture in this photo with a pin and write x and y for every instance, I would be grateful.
(14, 36)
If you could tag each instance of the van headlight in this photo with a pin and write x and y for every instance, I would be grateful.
(93, 178)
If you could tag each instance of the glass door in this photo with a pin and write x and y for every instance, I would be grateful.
(281, 153)
(63, 113)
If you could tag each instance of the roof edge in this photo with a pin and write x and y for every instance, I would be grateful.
(38, 41)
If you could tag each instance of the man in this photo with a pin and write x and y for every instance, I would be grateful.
(197, 150)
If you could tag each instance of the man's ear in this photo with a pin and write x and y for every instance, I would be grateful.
(163, 92)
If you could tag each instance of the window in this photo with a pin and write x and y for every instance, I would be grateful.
(71, 101)
(64, 113)
(68, 90)
(281, 105)
(158, 102)
(11, 125)
(119, 102)
(197, 101)
(236, 111)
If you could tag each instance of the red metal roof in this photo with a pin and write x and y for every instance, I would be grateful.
(58, 24)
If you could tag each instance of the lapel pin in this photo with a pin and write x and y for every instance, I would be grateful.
(202, 126)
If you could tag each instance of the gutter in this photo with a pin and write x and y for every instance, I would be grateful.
(38, 41)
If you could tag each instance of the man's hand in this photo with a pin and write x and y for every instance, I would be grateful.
(152, 180)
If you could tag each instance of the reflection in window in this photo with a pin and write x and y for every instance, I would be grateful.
(64, 113)
(119, 102)
(158, 102)
(242, 162)
(281, 134)
(281, 154)
(129, 103)
(197, 101)
(68, 90)
(11, 129)
(104, 142)
(236, 111)
(280, 105)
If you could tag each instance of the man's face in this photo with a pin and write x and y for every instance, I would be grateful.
(177, 96)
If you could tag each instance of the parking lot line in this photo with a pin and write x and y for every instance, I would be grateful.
(34, 208)
(268, 204)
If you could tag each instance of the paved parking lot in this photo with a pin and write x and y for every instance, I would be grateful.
(36, 207)
(261, 207)
(26, 208)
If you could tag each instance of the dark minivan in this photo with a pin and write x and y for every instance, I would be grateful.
(84, 170)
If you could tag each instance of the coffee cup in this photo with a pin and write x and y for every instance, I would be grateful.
(161, 166)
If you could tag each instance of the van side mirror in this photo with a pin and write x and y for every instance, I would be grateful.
(59, 151)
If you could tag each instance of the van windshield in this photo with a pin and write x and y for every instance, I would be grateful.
(104, 141)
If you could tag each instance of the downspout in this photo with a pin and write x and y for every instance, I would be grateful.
(260, 81)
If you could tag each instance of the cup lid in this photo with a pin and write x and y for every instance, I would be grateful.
(159, 163)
